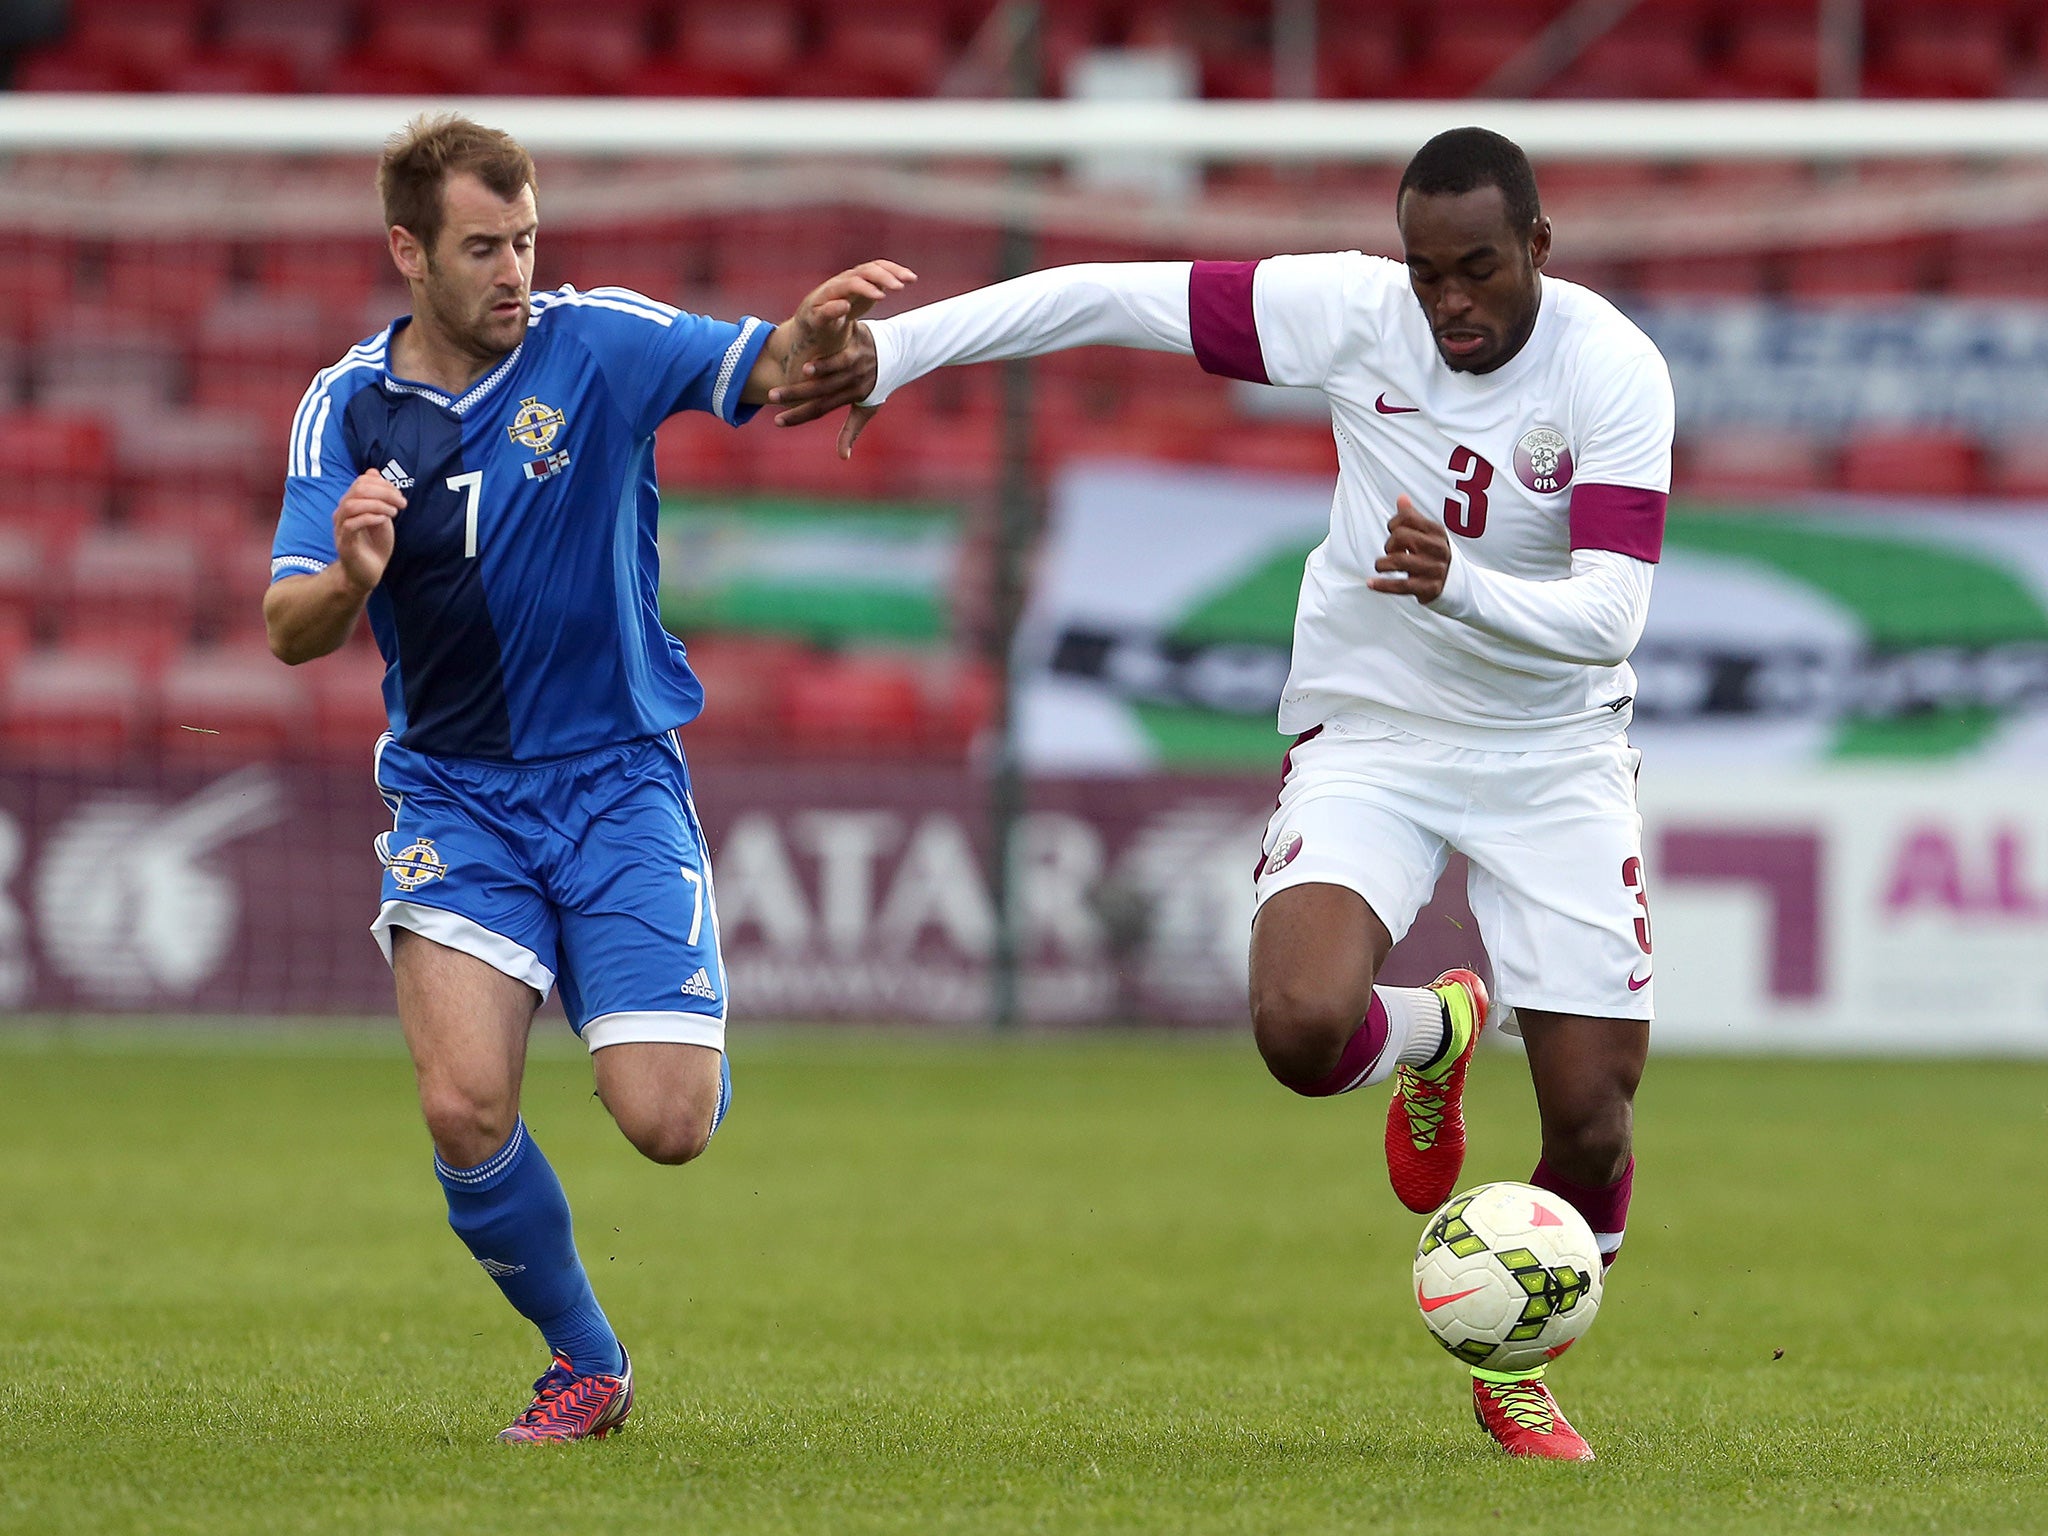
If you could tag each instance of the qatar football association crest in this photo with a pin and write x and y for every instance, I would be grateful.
(1543, 460)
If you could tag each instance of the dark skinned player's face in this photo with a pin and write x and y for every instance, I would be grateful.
(1473, 273)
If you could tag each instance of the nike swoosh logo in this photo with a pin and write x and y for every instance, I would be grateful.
(1385, 409)
(1431, 1303)
(1637, 986)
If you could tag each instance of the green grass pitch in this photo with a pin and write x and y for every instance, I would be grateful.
(1053, 1285)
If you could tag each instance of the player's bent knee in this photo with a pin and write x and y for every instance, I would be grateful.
(671, 1140)
(1300, 1034)
(466, 1126)
(1592, 1148)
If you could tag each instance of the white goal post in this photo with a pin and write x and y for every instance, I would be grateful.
(1213, 131)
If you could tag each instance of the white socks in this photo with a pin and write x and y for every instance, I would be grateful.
(1415, 1024)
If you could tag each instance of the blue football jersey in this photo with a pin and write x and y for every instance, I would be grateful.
(518, 617)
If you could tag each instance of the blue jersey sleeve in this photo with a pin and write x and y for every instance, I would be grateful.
(658, 359)
(320, 470)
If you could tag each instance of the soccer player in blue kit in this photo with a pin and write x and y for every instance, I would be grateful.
(480, 477)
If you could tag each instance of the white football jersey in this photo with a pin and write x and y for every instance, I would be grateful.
(1566, 446)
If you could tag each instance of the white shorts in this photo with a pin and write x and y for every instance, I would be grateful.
(1554, 841)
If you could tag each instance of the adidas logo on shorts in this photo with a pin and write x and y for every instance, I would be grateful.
(699, 985)
(498, 1269)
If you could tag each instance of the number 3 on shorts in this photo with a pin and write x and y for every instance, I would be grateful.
(1632, 879)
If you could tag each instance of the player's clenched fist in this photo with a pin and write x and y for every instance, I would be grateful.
(1417, 559)
(363, 530)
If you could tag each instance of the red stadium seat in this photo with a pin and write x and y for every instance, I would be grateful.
(131, 591)
(738, 50)
(338, 275)
(855, 705)
(63, 707)
(24, 575)
(2000, 263)
(1742, 462)
(307, 36)
(55, 519)
(218, 449)
(1066, 30)
(13, 376)
(236, 72)
(695, 452)
(1941, 54)
(647, 263)
(17, 638)
(2017, 466)
(166, 283)
(346, 690)
(63, 68)
(1924, 463)
(232, 583)
(40, 275)
(600, 49)
(745, 680)
(205, 516)
(1730, 275)
(1650, 53)
(1860, 271)
(894, 51)
(960, 703)
(54, 455)
(231, 704)
(377, 74)
(95, 361)
(1465, 49)
(1775, 53)
(960, 458)
(1361, 55)
(134, 40)
(458, 39)
(1288, 448)
(256, 351)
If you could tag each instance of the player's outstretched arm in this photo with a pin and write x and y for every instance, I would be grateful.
(1594, 617)
(822, 324)
(309, 616)
(1124, 304)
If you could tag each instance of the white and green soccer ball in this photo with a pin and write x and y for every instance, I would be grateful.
(1507, 1276)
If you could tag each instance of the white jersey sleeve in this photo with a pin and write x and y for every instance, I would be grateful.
(1284, 320)
(1142, 304)
(1622, 477)
(1593, 617)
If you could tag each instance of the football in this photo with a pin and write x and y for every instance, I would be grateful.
(1507, 1276)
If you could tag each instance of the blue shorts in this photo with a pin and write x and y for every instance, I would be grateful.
(587, 870)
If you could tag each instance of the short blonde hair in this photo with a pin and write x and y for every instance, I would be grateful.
(420, 157)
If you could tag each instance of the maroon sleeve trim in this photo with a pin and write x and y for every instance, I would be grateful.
(1220, 320)
(1623, 518)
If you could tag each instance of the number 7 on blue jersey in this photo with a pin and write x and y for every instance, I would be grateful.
(473, 482)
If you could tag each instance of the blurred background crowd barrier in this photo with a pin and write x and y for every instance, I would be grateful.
(1046, 604)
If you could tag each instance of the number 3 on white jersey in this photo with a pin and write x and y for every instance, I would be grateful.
(473, 482)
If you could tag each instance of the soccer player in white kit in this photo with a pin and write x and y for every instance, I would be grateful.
(1460, 676)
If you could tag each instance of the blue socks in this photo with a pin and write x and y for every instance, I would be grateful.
(512, 1213)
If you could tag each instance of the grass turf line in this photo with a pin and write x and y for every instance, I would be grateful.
(1071, 1285)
